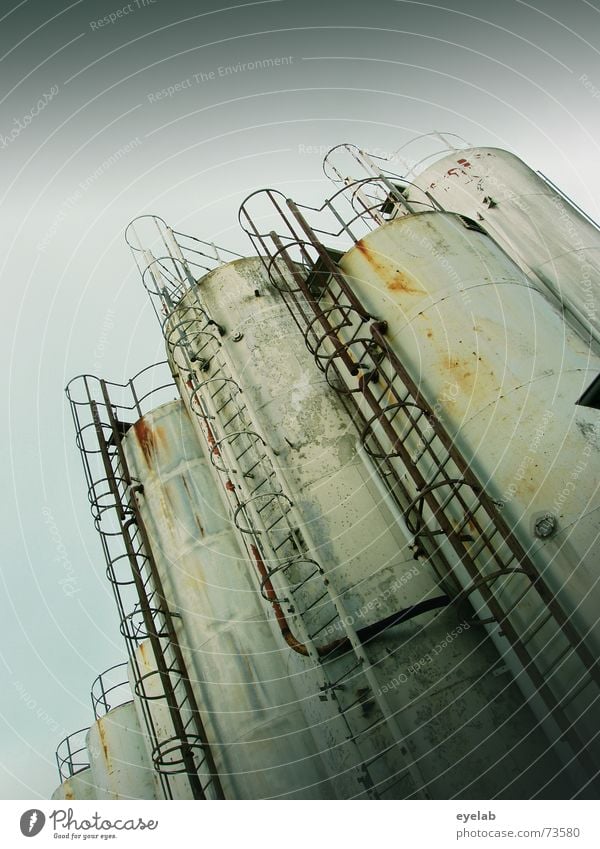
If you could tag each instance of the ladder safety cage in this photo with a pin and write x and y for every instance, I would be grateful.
(72, 754)
(444, 504)
(377, 162)
(103, 412)
(111, 689)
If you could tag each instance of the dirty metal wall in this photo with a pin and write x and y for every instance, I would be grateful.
(541, 230)
(457, 717)
(503, 372)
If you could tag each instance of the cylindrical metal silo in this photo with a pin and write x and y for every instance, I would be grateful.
(78, 786)
(537, 225)
(254, 717)
(120, 766)
(503, 373)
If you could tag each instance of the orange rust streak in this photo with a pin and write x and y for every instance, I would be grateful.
(399, 282)
(286, 632)
(145, 437)
(102, 733)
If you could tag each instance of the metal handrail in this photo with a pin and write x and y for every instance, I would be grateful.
(103, 686)
(69, 757)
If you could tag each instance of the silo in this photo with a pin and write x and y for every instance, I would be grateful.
(177, 746)
(504, 374)
(74, 769)
(120, 765)
(253, 712)
(551, 238)
(78, 786)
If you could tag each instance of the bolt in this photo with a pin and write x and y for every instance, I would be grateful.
(237, 336)
(545, 526)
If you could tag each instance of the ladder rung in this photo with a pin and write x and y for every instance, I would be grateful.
(346, 674)
(550, 670)
(577, 692)
(282, 518)
(379, 721)
(326, 625)
(314, 603)
(528, 637)
(281, 544)
(296, 587)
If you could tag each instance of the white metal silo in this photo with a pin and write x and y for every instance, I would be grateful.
(386, 307)
(253, 712)
(532, 220)
(504, 373)
(78, 787)
(119, 761)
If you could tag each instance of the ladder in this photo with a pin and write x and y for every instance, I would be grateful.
(143, 608)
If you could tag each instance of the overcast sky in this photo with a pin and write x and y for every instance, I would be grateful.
(525, 76)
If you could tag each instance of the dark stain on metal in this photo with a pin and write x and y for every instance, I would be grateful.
(102, 735)
(212, 441)
(191, 501)
(145, 437)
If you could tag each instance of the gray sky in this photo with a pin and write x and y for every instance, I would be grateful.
(519, 75)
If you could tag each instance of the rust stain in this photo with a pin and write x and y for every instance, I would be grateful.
(282, 622)
(230, 486)
(212, 441)
(160, 435)
(102, 734)
(461, 372)
(396, 280)
(401, 283)
(145, 437)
